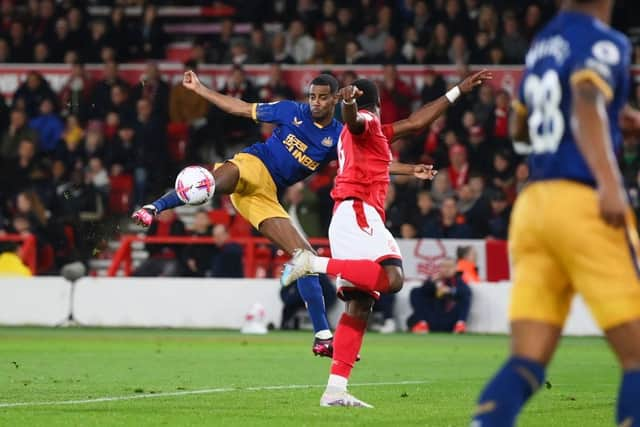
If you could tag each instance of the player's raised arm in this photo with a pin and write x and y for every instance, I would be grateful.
(352, 119)
(428, 113)
(590, 126)
(419, 171)
(228, 104)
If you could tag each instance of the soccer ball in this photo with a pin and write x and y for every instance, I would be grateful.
(195, 185)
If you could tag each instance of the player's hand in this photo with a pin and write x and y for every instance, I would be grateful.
(144, 216)
(191, 80)
(613, 205)
(475, 79)
(424, 172)
(349, 93)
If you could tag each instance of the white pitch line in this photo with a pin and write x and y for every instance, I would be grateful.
(190, 392)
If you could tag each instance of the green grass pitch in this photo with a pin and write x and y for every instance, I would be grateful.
(220, 378)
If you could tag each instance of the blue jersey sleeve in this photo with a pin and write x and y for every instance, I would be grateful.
(603, 62)
(278, 112)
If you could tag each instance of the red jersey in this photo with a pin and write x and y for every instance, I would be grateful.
(363, 171)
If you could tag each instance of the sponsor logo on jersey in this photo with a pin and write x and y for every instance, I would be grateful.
(297, 149)
(296, 122)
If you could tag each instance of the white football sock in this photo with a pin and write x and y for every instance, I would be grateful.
(324, 334)
(336, 384)
(319, 264)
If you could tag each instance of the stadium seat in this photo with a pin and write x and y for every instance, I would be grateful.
(220, 216)
(178, 136)
(120, 192)
(263, 256)
(46, 259)
(240, 227)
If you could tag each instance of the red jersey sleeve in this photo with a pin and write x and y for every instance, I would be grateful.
(387, 131)
(368, 127)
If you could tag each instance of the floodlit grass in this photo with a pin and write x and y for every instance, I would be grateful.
(177, 377)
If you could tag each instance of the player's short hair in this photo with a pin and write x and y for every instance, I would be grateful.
(370, 96)
(326, 80)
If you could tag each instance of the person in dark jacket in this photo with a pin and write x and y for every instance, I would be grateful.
(442, 303)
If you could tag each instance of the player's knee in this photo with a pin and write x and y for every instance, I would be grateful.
(395, 277)
(360, 306)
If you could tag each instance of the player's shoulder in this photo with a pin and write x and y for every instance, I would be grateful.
(596, 39)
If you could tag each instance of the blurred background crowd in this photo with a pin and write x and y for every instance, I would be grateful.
(76, 162)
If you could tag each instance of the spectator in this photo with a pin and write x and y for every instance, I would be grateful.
(293, 302)
(151, 152)
(78, 34)
(164, 259)
(96, 42)
(440, 188)
(299, 45)
(390, 53)
(467, 264)
(301, 205)
(238, 53)
(30, 94)
(41, 53)
(502, 176)
(20, 42)
(101, 92)
(235, 130)
(335, 42)
(458, 52)
(155, 90)
(442, 303)
(353, 54)
(98, 177)
(258, 52)
(11, 265)
(121, 36)
(425, 212)
(197, 257)
(433, 87)
(17, 132)
(227, 256)
(395, 96)
(458, 169)
(60, 42)
(279, 49)
(48, 125)
(478, 151)
(522, 176)
(480, 53)
(76, 92)
(276, 87)
(500, 215)
(514, 45)
(450, 225)
(222, 43)
(152, 35)
(5, 51)
(372, 40)
(438, 48)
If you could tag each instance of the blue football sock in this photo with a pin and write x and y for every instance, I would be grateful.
(508, 391)
(628, 413)
(168, 201)
(311, 292)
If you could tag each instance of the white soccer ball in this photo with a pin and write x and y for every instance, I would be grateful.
(195, 185)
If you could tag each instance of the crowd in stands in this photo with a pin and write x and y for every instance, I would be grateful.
(76, 161)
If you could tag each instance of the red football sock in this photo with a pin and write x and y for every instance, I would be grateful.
(364, 274)
(347, 341)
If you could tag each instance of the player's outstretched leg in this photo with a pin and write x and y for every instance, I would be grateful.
(366, 275)
(347, 343)
(282, 232)
(520, 377)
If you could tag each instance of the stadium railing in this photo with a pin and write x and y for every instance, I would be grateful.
(254, 248)
(28, 249)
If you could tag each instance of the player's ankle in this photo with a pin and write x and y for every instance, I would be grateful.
(324, 334)
(336, 384)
